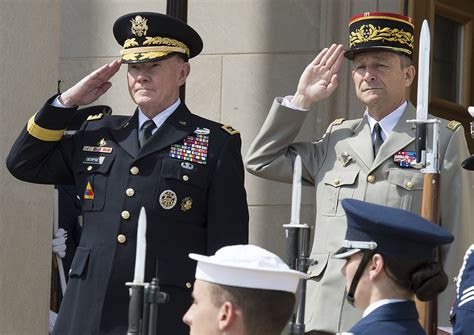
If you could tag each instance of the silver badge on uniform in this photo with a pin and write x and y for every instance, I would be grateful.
(202, 131)
(187, 165)
(345, 159)
(168, 199)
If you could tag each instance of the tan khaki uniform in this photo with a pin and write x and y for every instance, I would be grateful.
(341, 165)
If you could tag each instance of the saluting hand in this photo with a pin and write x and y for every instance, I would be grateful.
(91, 87)
(319, 79)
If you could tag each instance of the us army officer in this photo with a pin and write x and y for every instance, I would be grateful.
(185, 170)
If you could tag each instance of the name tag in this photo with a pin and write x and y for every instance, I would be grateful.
(94, 160)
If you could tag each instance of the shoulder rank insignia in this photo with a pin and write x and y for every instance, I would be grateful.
(95, 117)
(453, 125)
(337, 122)
(230, 130)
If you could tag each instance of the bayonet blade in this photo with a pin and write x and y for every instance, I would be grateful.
(423, 73)
(296, 192)
(140, 257)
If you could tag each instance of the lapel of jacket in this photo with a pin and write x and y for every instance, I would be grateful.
(176, 127)
(361, 143)
(402, 135)
(127, 135)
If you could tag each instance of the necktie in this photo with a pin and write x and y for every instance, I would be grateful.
(147, 129)
(378, 138)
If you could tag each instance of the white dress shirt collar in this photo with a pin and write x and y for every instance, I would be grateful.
(158, 119)
(387, 123)
(380, 303)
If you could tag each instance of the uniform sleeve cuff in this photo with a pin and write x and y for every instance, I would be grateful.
(286, 102)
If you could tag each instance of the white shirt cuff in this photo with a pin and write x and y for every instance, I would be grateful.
(57, 103)
(286, 102)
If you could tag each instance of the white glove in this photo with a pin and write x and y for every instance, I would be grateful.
(52, 320)
(59, 242)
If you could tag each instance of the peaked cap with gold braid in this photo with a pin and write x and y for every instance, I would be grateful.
(380, 31)
(149, 37)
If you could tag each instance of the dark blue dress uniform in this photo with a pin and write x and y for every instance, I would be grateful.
(399, 318)
(462, 315)
(390, 232)
(191, 207)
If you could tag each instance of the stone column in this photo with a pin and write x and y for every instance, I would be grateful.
(29, 38)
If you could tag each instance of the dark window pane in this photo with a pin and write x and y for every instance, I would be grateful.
(447, 69)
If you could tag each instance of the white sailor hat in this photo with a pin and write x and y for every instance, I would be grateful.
(247, 266)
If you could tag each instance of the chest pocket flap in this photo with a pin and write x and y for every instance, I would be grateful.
(338, 178)
(184, 171)
(320, 263)
(96, 163)
(338, 184)
(407, 179)
(93, 178)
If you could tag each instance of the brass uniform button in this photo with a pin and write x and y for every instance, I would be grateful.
(409, 185)
(189, 285)
(185, 177)
(125, 215)
(121, 238)
(89, 168)
(337, 181)
(134, 170)
(371, 179)
(130, 192)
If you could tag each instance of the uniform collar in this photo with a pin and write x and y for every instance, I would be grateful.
(380, 303)
(160, 118)
(387, 123)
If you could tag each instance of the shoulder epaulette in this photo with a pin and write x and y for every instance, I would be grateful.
(95, 117)
(453, 125)
(337, 122)
(230, 130)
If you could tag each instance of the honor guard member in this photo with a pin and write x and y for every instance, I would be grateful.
(462, 315)
(390, 256)
(185, 170)
(370, 158)
(242, 290)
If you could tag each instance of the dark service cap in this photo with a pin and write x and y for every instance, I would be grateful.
(389, 231)
(148, 37)
(380, 31)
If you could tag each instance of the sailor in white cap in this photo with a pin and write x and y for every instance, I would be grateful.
(242, 290)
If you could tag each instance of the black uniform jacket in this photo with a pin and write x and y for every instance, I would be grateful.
(191, 207)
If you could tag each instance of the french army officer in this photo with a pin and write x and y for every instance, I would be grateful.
(368, 159)
(185, 170)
